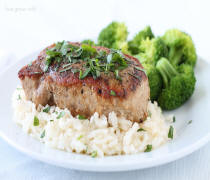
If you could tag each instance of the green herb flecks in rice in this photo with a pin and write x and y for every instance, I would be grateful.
(94, 154)
(148, 148)
(43, 134)
(61, 114)
(171, 132)
(36, 121)
(140, 129)
(47, 109)
(81, 117)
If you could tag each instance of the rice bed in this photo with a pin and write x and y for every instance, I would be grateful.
(98, 136)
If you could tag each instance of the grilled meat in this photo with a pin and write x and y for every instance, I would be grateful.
(73, 84)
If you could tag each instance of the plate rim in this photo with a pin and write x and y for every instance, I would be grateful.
(76, 165)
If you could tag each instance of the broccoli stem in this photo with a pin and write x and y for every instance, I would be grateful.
(166, 70)
(175, 55)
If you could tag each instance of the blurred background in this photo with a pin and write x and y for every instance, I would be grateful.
(28, 26)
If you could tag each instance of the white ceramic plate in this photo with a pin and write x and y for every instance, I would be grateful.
(190, 137)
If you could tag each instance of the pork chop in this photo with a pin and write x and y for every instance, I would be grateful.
(86, 80)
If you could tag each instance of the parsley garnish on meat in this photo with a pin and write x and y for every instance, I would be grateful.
(37, 72)
(64, 70)
(94, 61)
(117, 75)
(74, 70)
(112, 93)
(139, 69)
(82, 75)
(137, 77)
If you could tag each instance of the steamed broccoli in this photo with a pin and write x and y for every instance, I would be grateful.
(123, 46)
(152, 50)
(89, 42)
(133, 45)
(181, 47)
(114, 36)
(155, 81)
(178, 83)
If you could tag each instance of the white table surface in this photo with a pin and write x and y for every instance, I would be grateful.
(26, 26)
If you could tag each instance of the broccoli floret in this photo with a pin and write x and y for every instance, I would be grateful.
(113, 36)
(123, 46)
(155, 81)
(152, 50)
(89, 42)
(142, 58)
(181, 47)
(134, 44)
(179, 84)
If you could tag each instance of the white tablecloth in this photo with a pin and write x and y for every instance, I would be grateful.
(29, 26)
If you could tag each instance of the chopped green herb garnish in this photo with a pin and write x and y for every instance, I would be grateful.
(66, 65)
(64, 70)
(98, 73)
(81, 136)
(51, 120)
(94, 154)
(139, 69)
(117, 75)
(112, 93)
(189, 122)
(37, 72)
(46, 68)
(82, 75)
(75, 70)
(141, 129)
(43, 134)
(149, 114)
(61, 114)
(36, 121)
(137, 77)
(109, 58)
(171, 132)
(81, 117)
(174, 119)
(47, 109)
(95, 61)
(148, 148)
(19, 89)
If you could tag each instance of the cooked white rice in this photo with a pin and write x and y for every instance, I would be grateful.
(99, 136)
